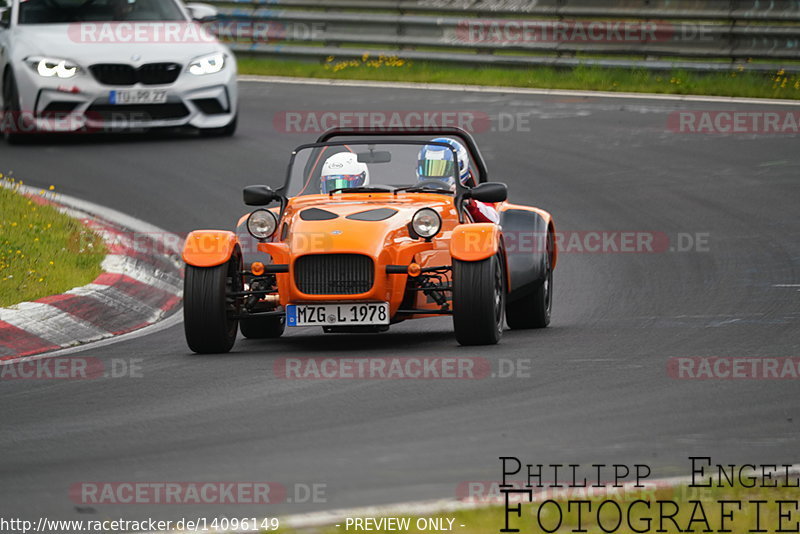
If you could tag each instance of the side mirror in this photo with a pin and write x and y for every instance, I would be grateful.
(202, 12)
(489, 192)
(259, 195)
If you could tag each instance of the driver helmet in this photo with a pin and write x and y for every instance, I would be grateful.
(436, 162)
(343, 170)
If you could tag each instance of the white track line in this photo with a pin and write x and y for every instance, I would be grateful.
(515, 90)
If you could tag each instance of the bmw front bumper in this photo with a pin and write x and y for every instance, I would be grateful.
(82, 103)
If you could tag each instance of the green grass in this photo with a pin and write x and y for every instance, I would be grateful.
(492, 519)
(738, 84)
(42, 251)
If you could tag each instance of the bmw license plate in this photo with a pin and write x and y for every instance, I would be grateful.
(137, 96)
(371, 313)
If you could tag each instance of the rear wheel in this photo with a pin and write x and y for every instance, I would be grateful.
(533, 311)
(479, 292)
(262, 327)
(208, 312)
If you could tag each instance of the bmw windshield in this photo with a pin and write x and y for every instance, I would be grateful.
(330, 168)
(67, 11)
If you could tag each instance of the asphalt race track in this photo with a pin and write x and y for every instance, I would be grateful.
(598, 389)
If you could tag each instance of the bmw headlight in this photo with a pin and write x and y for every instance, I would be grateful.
(262, 223)
(426, 223)
(49, 67)
(211, 64)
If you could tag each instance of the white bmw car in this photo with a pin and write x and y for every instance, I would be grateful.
(110, 65)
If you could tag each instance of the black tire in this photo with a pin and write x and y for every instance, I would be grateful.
(262, 327)
(207, 309)
(479, 292)
(11, 105)
(533, 310)
(226, 131)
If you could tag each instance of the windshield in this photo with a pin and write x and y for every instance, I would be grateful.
(66, 11)
(383, 165)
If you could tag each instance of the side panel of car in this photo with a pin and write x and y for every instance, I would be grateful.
(525, 236)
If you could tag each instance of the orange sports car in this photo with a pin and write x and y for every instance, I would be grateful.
(371, 228)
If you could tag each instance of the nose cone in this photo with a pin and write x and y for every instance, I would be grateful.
(346, 236)
(357, 225)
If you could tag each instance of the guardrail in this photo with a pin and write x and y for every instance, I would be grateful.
(710, 35)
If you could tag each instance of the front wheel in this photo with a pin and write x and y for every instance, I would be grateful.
(479, 293)
(12, 115)
(208, 312)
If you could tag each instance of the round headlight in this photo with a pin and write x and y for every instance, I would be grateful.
(426, 223)
(262, 223)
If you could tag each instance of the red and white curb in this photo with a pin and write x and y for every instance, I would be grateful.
(141, 284)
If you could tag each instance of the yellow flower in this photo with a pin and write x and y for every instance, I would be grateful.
(52, 187)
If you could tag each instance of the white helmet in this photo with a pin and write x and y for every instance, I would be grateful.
(343, 170)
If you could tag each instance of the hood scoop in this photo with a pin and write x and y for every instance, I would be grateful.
(380, 214)
(316, 214)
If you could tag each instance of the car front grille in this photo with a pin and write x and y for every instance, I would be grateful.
(334, 274)
(137, 112)
(148, 74)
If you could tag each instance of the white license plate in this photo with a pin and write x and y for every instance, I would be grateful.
(137, 96)
(370, 313)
